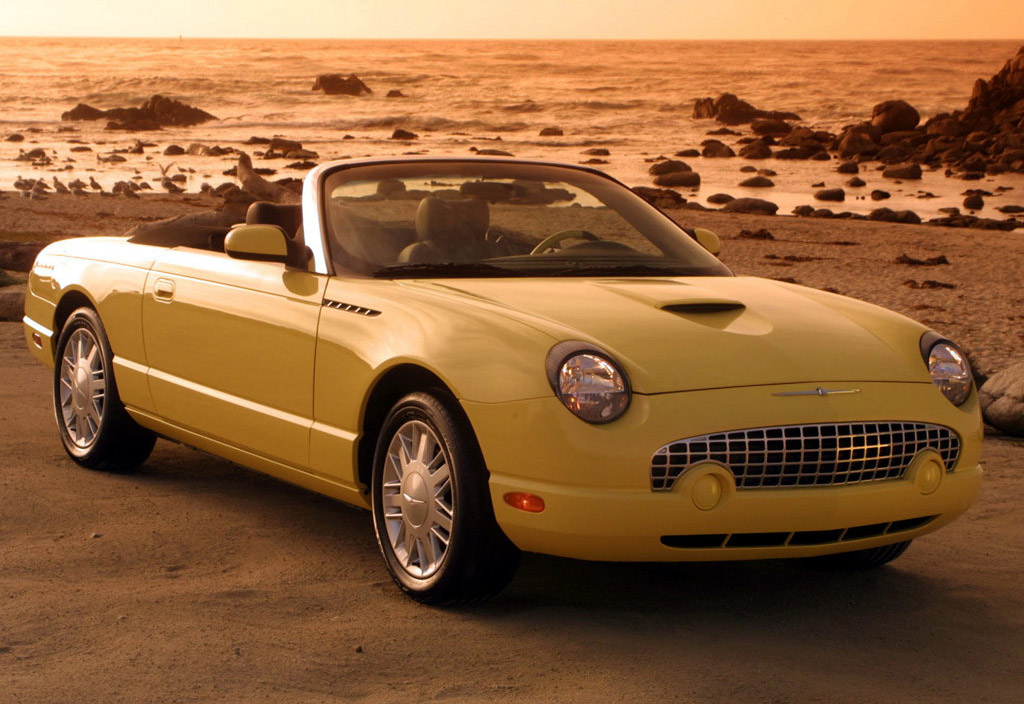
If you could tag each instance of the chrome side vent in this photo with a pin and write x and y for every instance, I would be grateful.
(349, 308)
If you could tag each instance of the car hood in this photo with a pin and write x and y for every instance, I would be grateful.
(681, 334)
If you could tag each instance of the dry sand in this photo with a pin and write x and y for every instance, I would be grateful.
(195, 580)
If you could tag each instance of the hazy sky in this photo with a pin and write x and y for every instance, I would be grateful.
(526, 19)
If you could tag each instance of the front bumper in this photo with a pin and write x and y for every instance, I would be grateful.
(595, 480)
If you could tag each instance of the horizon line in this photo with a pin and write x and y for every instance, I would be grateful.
(183, 37)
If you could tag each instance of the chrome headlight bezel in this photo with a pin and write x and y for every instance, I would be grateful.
(948, 367)
(568, 361)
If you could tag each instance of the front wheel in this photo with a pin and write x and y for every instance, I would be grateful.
(94, 427)
(432, 509)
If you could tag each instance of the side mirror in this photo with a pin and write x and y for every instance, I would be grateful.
(261, 243)
(708, 240)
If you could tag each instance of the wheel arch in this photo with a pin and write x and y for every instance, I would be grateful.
(392, 385)
(70, 301)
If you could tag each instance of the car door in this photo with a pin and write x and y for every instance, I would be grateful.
(231, 347)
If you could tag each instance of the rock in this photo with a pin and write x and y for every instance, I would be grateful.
(770, 126)
(678, 179)
(137, 125)
(856, 182)
(720, 198)
(403, 135)
(159, 111)
(18, 256)
(1002, 400)
(857, 141)
(848, 167)
(894, 116)
(757, 182)
(395, 93)
(490, 152)
(723, 131)
(974, 202)
(256, 140)
(667, 167)
(803, 210)
(12, 302)
(831, 194)
(759, 234)
(660, 197)
(748, 169)
(729, 109)
(880, 195)
(551, 132)
(904, 171)
(757, 149)
(83, 112)
(303, 154)
(754, 206)
(930, 261)
(908, 217)
(804, 152)
(280, 144)
(14, 137)
(714, 149)
(687, 153)
(337, 84)
(173, 150)
(597, 151)
(1010, 209)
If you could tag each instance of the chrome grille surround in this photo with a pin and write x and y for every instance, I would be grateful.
(823, 454)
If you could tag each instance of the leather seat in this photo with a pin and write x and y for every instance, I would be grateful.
(448, 231)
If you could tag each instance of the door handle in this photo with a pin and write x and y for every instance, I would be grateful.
(163, 290)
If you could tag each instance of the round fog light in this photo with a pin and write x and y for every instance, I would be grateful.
(707, 492)
(929, 476)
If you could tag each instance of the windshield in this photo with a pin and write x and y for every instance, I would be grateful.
(425, 219)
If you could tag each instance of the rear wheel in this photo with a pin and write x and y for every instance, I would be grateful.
(94, 427)
(859, 559)
(432, 509)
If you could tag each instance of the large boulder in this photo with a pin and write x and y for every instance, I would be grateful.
(18, 256)
(857, 140)
(715, 149)
(754, 206)
(895, 116)
(678, 179)
(729, 109)
(910, 172)
(337, 84)
(1002, 400)
(757, 149)
(83, 112)
(158, 111)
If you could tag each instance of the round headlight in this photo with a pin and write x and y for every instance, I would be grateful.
(950, 371)
(592, 387)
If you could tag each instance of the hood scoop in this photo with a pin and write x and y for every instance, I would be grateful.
(700, 306)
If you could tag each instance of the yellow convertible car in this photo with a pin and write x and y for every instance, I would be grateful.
(496, 355)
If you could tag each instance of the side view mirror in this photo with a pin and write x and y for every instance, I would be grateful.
(261, 243)
(708, 240)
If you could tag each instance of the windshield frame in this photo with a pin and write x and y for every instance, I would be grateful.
(644, 217)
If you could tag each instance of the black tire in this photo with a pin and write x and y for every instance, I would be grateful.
(423, 510)
(95, 429)
(859, 559)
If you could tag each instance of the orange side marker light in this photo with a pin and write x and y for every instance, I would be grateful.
(524, 502)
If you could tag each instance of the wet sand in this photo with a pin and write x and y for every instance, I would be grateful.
(196, 580)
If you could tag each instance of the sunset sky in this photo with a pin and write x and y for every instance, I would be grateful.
(522, 19)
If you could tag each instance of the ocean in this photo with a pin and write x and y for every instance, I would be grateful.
(633, 98)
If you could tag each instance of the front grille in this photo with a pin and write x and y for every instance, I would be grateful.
(825, 454)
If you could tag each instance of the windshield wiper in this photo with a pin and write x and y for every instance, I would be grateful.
(443, 269)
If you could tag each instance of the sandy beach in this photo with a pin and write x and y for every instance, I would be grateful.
(195, 580)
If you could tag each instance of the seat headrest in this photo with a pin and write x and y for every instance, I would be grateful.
(452, 221)
(287, 217)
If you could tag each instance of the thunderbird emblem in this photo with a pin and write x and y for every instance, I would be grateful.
(818, 392)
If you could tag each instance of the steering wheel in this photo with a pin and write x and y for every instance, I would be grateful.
(549, 242)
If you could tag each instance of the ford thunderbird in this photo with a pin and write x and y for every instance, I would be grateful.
(501, 355)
